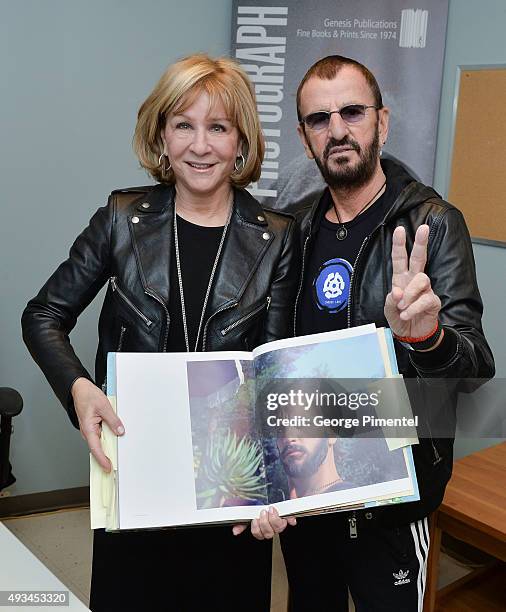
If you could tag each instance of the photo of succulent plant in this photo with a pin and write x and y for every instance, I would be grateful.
(232, 468)
(228, 457)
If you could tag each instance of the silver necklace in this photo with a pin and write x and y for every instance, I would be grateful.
(325, 486)
(180, 276)
(342, 232)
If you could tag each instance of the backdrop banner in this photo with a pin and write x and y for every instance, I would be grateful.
(402, 43)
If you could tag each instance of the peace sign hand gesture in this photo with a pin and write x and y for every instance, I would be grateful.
(411, 307)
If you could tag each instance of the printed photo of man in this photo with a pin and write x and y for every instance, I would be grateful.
(310, 466)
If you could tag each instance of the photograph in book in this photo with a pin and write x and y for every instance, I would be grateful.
(227, 452)
(298, 466)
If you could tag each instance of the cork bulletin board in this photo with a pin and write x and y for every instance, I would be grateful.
(478, 168)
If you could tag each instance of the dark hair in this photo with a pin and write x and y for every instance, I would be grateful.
(328, 67)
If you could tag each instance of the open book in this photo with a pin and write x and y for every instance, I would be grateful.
(208, 440)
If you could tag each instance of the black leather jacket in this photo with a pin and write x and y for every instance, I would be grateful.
(466, 358)
(251, 301)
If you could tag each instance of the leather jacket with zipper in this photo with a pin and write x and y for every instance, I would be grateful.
(128, 244)
(450, 266)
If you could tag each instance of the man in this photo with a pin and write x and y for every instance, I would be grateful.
(379, 247)
(310, 466)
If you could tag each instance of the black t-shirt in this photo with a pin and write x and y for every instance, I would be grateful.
(198, 246)
(325, 294)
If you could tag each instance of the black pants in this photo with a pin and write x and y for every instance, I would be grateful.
(384, 568)
(180, 570)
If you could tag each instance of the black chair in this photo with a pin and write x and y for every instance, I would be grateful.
(11, 404)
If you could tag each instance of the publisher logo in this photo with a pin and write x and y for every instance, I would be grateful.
(413, 28)
(401, 577)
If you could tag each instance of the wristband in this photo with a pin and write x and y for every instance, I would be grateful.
(423, 343)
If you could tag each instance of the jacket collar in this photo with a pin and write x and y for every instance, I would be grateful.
(410, 193)
(158, 198)
(161, 197)
(152, 232)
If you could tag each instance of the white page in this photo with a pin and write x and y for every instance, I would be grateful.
(338, 334)
(156, 487)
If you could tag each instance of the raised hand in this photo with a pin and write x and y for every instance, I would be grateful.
(411, 307)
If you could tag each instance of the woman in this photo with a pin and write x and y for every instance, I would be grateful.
(193, 263)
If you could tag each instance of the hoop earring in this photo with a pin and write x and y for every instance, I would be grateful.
(160, 163)
(243, 163)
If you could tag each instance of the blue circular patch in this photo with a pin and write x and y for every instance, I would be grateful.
(331, 287)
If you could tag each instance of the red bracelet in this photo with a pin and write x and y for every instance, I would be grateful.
(421, 339)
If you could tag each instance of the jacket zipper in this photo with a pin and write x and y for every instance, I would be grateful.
(167, 317)
(118, 349)
(300, 285)
(437, 456)
(227, 307)
(348, 316)
(114, 286)
(258, 309)
(121, 336)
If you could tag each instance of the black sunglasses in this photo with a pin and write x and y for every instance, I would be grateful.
(352, 113)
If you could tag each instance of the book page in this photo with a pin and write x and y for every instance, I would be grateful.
(316, 464)
(159, 480)
(229, 467)
(388, 352)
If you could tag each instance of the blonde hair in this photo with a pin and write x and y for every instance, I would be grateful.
(224, 81)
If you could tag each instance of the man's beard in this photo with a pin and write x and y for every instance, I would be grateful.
(310, 464)
(346, 175)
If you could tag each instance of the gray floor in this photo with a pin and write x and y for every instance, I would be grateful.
(62, 541)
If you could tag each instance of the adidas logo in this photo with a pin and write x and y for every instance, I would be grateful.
(401, 577)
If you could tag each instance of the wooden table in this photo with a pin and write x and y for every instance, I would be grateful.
(474, 511)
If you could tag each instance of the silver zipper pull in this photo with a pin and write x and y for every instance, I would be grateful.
(113, 282)
(353, 527)
(268, 301)
(121, 336)
(437, 456)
